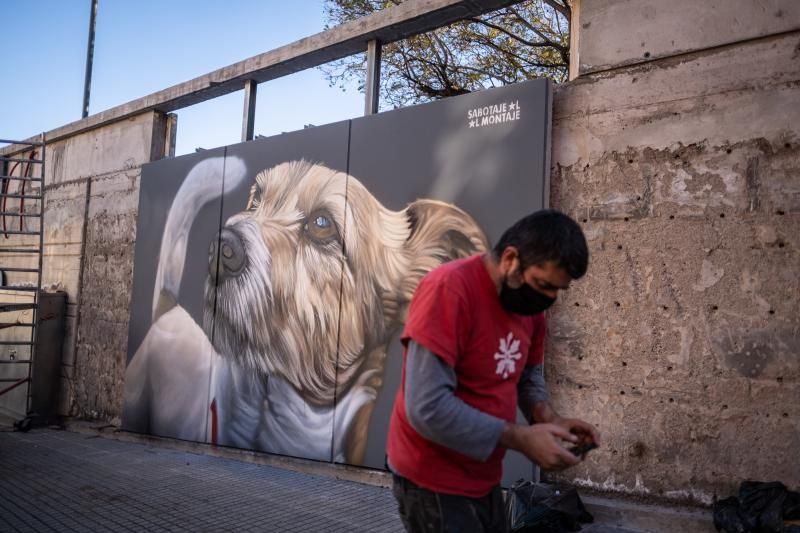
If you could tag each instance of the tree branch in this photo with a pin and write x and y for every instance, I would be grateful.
(563, 9)
(514, 36)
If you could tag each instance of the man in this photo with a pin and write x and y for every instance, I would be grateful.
(474, 349)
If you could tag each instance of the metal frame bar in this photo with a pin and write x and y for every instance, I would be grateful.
(20, 160)
(36, 295)
(7, 308)
(19, 178)
(39, 197)
(249, 112)
(18, 251)
(19, 214)
(17, 232)
(29, 142)
(15, 385)
(372, 87)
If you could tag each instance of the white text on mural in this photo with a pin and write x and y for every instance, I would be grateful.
(493, 114)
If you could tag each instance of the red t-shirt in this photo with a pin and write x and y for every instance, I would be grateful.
(457, 315)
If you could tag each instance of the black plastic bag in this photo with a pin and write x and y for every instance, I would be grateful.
(544, 508)
(729, 516)
(760, 508)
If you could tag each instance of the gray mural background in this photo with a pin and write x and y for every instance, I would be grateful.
(497, 172)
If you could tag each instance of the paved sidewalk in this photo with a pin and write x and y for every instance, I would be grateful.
(62, 481)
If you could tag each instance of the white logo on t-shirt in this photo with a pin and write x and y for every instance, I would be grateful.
(508, 355)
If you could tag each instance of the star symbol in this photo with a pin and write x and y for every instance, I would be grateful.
(512, 106)
(471, 123)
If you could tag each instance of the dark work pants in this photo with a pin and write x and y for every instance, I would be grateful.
(424, 511)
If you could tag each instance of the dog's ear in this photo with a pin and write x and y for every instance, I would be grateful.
(440, 232)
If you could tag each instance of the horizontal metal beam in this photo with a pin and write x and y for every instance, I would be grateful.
(29, 196)
(19, 178)
(17, 251)
(19, 160)
(6, 307)
(29, 142)
(388, 25)
(18, 214)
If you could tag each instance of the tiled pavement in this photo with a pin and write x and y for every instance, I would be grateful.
(62, 481)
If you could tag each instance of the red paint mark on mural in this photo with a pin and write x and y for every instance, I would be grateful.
(214, 422)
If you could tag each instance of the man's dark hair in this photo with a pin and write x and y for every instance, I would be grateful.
(547, 235)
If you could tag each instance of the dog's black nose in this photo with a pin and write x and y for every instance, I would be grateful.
(226, 257)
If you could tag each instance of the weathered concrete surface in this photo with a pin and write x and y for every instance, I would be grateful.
(697, 97)
(682, 344)
(73, 165)
(651, 29)
(121, 145)
(106, 291)
(65, 208)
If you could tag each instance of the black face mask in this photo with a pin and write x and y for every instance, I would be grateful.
(525, 300)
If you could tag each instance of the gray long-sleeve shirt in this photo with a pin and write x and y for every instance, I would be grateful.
(437, 414)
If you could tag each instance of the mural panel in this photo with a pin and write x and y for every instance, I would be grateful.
(487, 154)
(282, 327)
(169, 358)
(277, 314)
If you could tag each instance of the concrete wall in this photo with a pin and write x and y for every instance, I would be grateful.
(683, 342)
(91, 200)
(624, 32)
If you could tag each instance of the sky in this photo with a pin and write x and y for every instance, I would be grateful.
(143, 46)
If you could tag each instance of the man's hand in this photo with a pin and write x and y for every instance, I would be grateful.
(586, 433)
(540, 444)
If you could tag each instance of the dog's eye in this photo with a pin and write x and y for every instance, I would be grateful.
(320, 227)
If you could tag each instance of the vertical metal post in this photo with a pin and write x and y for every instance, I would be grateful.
(372, 88)
(249, 114)
(38, 294)
(171, 135)
(87, 85)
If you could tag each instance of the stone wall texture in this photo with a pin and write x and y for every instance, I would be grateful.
(682, 343)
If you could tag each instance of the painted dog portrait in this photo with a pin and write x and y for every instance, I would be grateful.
(306, 287)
